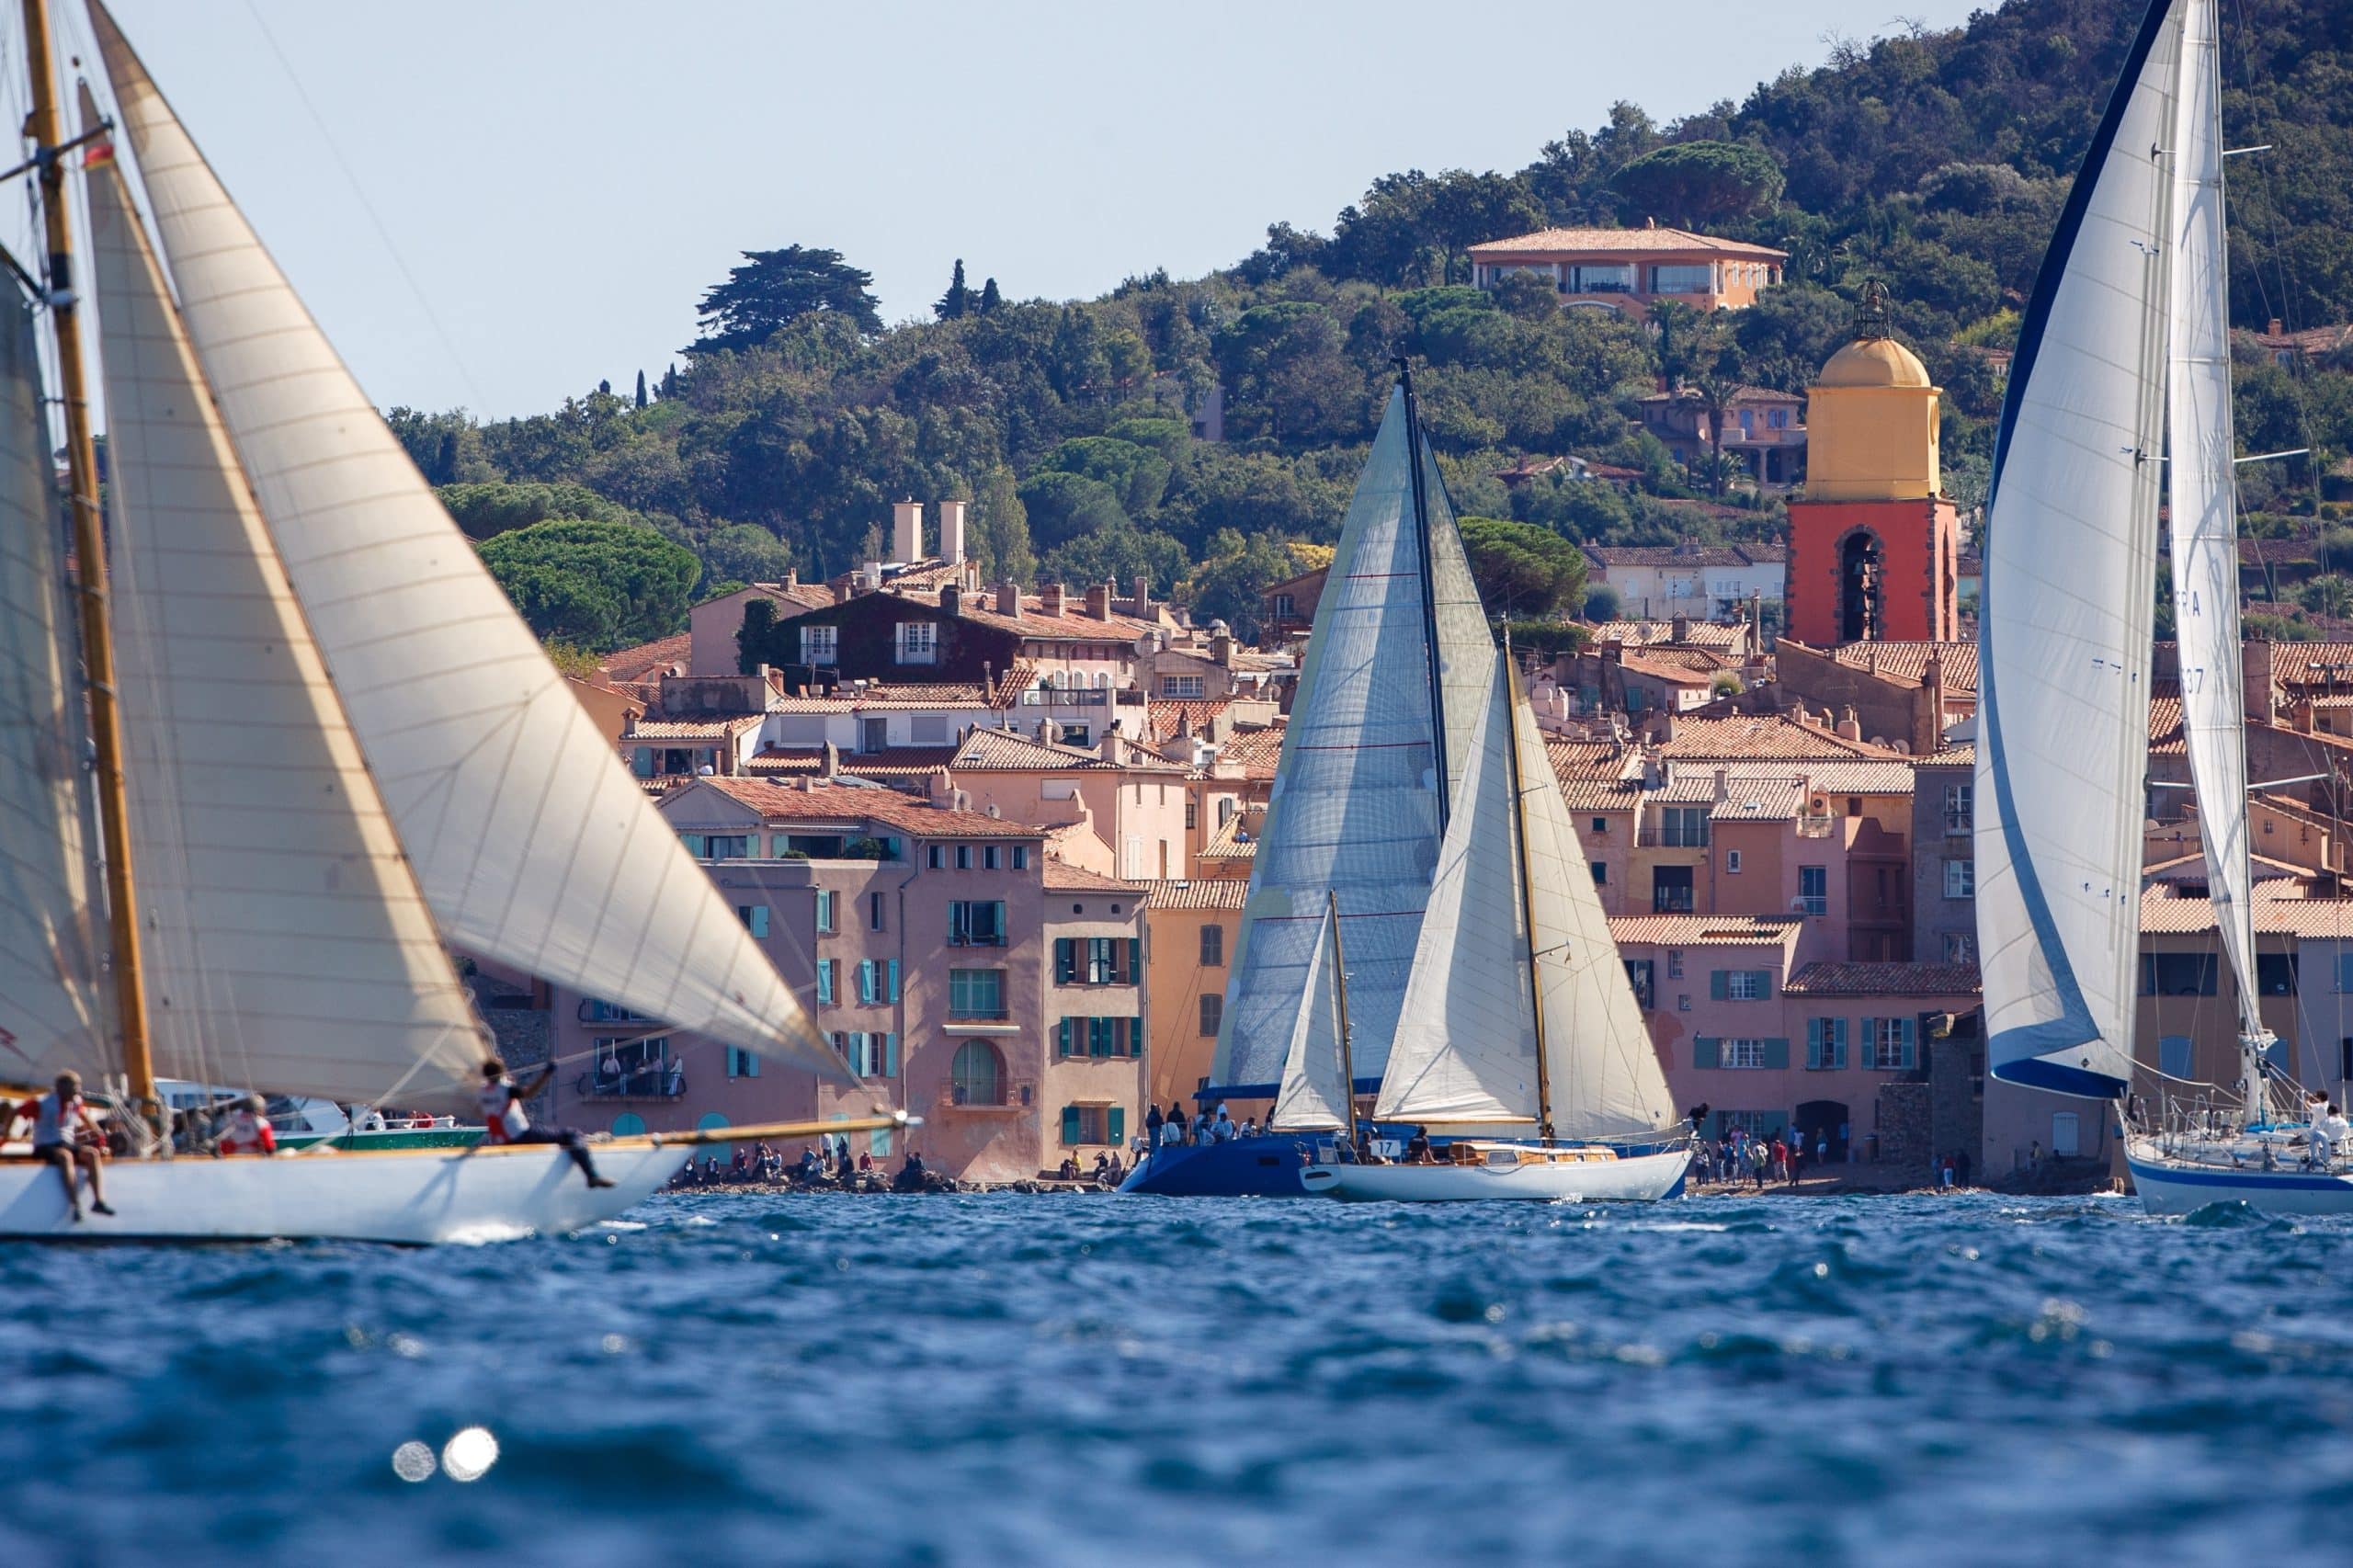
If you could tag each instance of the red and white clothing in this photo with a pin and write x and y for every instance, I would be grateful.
(246, 1133)
(55, 1119)
(502, 1113)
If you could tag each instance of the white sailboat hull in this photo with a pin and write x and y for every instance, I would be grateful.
(2169, 1185)
(1644, 1178)
(416, 1196)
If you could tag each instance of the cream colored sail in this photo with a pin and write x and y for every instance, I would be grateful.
(1602, 1071)
(51, 921)
(285, 943)
(1465, 1046)
(533, 846)
(1314, 1097)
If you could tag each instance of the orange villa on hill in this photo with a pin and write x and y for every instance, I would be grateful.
(1627, 270)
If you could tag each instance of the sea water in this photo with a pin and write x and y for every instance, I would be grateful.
(982, 1379)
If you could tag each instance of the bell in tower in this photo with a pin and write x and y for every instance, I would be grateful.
(1874, 547)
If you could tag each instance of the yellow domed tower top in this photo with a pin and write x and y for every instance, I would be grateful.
(1871, 420)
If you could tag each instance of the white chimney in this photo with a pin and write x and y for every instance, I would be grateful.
(952, 532)
(907, 531)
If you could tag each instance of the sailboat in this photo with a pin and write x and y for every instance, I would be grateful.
(1398, 664)
(297, 749)
(2119, 398)
(1520, 1040)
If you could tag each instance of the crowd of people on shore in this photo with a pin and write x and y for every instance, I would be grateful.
(1740, 1157)
(830, 1166)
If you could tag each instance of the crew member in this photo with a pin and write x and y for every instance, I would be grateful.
(248, 1131)
(504, 1121)
(59, 1119)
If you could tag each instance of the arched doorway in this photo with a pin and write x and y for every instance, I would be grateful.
(1861, 569)
(629, 1124)
(977, 1074)
(1824, 1121)
(721, 1152)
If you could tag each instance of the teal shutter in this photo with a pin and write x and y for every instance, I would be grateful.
(1065, 959)
(1777, 1053)
(1909, 1047)
(1136, 1036)
(1814, 1054)
(1118, 1117)
(890, 1056)
(1761, 982)
(1061, 1038)
(1070, 1124)
(1135, 961)
(1718, 983)
(1870, 1039)
(826, 981)
(1707, 1052)
(893, 964)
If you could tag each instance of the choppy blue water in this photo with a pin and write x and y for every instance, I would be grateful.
(1006, 1379)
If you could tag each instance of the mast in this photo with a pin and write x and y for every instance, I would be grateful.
(1429, 584)
(90, 561)
(1340, 1004)
(1527, 896)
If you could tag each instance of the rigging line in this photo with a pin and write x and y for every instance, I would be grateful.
(399, 264)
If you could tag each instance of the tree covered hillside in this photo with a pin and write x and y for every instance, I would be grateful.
(1934, 160)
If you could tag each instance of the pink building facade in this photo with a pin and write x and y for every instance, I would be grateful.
(957, 968)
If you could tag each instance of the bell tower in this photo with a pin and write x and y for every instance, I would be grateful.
(1874, 546)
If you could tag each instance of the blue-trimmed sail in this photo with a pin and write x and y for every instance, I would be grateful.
(2070, 589)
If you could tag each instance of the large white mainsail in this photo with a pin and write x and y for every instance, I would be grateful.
(285, 941)
(1314, 1097)
(533, 846)
(2070, 585)
(1356, 807)
(51, 942)
(2203, 493)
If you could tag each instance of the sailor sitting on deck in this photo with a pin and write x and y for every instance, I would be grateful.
(67, 1135)
(504, 1121)
(247, 1130)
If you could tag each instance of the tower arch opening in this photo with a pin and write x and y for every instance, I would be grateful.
(1862, 567)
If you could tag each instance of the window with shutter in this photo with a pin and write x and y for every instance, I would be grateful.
(1070, 1124)
(1065, 961)
(890, 967)
(1135, 962)
(1212, 1014)
(825, 983)
(1116, 1121)
(1705, 1053)
(1212, 946)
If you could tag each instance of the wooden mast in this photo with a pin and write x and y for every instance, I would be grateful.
(1340, 1002)
(43, 126)
(1527, 895)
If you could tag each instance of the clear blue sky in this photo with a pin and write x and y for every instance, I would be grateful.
(563, 178)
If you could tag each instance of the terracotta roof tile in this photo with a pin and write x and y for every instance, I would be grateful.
(1758, 735)
(1063, 877)
(691, 729)
(1701, 633)
(1254, 751)
(790, 801)
(1656, 241)
(1164, 717)
(1704, 930)
(1210, 892)
(1009, 751)
(894, 762)
(1907, 980)
(649, 658)
(1908, 662)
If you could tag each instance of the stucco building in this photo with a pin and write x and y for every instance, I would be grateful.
(1627, 270)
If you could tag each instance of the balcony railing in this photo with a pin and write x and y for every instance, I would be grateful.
(999, 1095)
(650, 1084)
(957, 1015)
(1959, 824)
(1814, 827)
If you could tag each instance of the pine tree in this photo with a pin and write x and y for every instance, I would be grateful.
(604, 388)
(641, 388)
(670, 382)
(958, 302)
(990, 298)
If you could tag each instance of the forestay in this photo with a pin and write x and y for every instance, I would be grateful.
(2070, 580)
(2202, 493)
(1315, 1093)
(51, 946)
(1354, 809)
(285, 941)
(531, 844)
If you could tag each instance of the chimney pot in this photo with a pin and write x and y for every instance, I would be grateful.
(1098, 601)
(952, 532)
(1009, 599)
(1049, 599)
(1144, 597)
